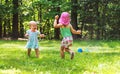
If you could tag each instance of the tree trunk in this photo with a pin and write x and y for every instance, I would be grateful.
(74, 16)
(21, 28)
(91, 32)
(103, 19)
(5, 23)
(15, 20)
(5, 27)
(0, 27)
(21, 24)
(82, 27)
(9, 28)
(57, 30)
(40, 18)
(103, 28)
(98, 20)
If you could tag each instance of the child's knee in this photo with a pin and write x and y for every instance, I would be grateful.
(62, 48)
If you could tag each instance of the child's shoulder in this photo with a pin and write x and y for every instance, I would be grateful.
(67, 26)
(28, 30)
(37, 31)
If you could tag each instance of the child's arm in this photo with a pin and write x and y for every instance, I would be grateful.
(55, 22)
(27, 34)
(74, 31)
(42, 35)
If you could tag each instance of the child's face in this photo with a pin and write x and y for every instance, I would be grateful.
(33, 26)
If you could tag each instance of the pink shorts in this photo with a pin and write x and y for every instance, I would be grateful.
(67, 41)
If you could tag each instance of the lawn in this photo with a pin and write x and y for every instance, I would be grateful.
(102, 57)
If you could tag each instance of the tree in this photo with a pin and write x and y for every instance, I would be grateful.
(15, 20)
(57, 30)
(21, 34)
(74, 16)
(0, 27)
(98, 19)
(1, 18)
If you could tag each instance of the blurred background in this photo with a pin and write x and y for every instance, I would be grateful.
(97, 19)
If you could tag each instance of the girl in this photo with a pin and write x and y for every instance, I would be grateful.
(32, 35)
(66, 30)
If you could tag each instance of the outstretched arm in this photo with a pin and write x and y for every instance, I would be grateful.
(74, 31)
(42, 35)
(26, 35)
(55, 22)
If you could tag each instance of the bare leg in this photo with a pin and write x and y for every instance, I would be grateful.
(29, 51)
(70, 51)
(62, 52)
(37, 52)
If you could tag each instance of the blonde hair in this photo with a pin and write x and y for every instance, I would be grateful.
(32, 22)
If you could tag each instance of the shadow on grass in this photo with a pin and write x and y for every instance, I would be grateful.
(50, 61)
(47, 60)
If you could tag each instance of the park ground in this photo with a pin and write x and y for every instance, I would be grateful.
(101, 57)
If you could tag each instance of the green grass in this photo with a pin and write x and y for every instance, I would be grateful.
(103, 58)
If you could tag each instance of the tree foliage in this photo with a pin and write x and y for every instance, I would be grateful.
(97, 19)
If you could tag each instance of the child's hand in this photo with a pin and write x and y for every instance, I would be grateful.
(78, 31)
(26, 35)
(56, 17)
(42, 35)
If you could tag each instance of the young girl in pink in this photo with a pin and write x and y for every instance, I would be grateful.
(66, 30)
